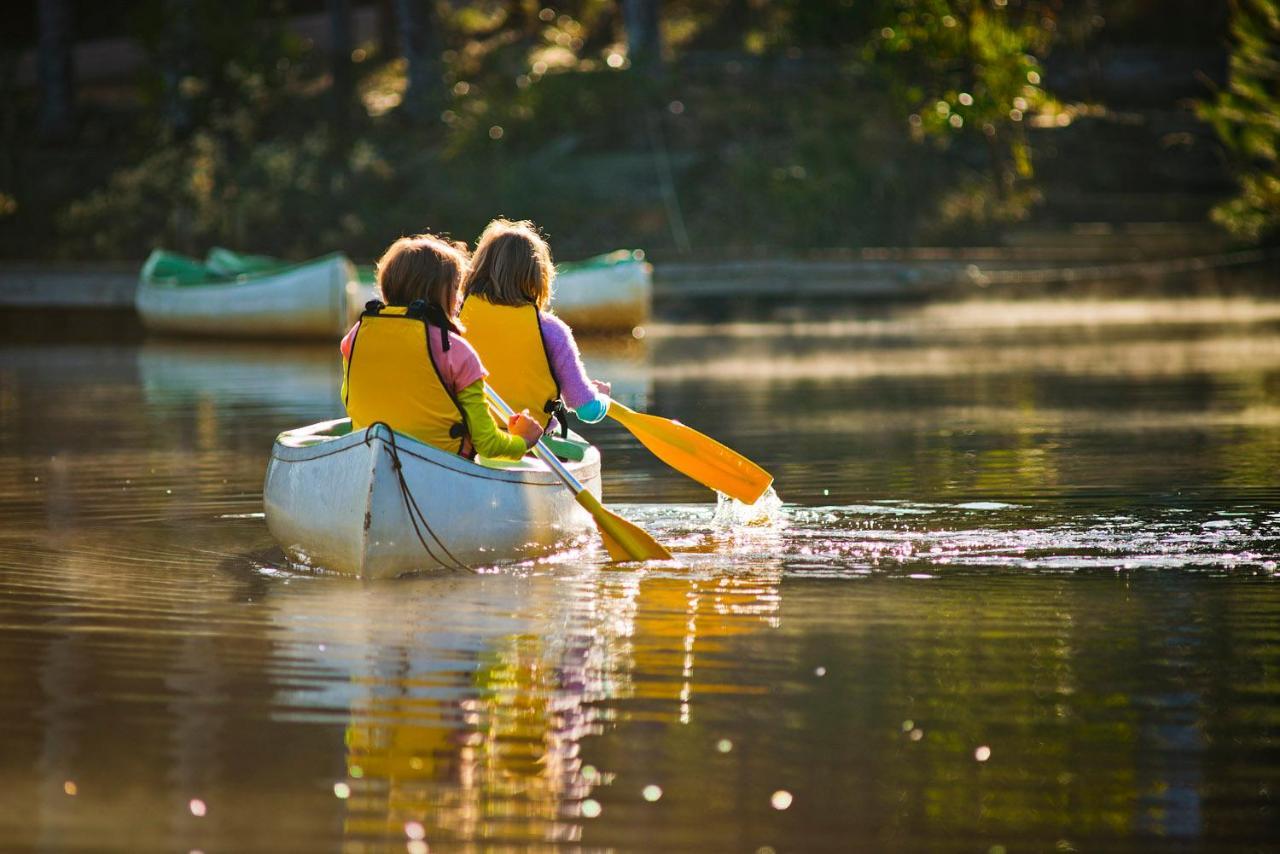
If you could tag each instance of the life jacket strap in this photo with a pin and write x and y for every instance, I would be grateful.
(561, 412)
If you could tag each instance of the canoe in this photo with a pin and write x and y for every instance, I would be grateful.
(229, 294)
(333, 500)
(608, 293)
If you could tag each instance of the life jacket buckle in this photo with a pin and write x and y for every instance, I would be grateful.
(561, 412)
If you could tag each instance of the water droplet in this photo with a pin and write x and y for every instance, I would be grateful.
(781, 799)
(652, 793)
(591, 808)
(198, 808)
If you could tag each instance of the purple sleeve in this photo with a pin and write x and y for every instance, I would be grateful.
(575, 388)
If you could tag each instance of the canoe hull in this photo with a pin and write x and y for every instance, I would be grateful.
(304, 301)
(337, 504)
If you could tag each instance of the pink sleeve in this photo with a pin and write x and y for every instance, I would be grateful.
(575, 387)
(461, 365)
(345, 346)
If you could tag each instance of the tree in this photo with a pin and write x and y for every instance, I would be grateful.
(56, 70)
(1246, 116)
(340, 62)
(644, 38)
(418, 25)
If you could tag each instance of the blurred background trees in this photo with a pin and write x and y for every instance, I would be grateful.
(728, 126)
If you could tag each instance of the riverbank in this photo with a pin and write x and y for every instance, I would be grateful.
(876, 274)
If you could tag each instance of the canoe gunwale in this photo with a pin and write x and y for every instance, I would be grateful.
(167, 283)
(529, 473)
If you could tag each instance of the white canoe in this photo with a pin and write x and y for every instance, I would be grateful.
(608, 293)
(294, 301)
(334, 500)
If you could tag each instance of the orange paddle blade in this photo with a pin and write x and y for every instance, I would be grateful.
(696, 455)
(622, 539)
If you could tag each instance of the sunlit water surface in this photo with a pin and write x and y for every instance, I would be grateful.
(1021, 596)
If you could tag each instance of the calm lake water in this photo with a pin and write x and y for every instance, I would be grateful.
(1022, 595)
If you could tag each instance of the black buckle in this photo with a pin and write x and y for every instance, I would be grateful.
(561, 412)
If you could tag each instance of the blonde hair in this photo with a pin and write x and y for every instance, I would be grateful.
(423, 267)
(511, 265)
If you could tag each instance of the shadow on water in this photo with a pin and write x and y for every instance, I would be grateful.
(1021, 594)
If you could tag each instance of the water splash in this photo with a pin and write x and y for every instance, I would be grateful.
(766, 512)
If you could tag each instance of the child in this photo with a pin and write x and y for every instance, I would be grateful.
(429, 386)
(532, 353)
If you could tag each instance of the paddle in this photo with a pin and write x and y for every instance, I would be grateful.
(690, 452)
(622, 539)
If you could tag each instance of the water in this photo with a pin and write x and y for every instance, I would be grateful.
(1022, 596)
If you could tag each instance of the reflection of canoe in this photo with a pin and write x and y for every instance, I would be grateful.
(244, 295)
(284, 378)
(333, 499)
(606, 293)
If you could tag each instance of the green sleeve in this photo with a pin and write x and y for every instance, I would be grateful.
(488, 438)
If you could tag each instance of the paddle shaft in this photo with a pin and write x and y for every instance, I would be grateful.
(623, 540)
(543, 452)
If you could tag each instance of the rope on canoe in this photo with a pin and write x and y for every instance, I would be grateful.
(411, 505)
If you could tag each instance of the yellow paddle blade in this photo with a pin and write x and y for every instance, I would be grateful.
(696, 455)
(623, 540)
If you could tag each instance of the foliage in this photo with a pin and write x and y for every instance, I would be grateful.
(867, 122)
(1246, 116)
(968, 70)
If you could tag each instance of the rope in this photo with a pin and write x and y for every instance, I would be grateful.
(411, 505)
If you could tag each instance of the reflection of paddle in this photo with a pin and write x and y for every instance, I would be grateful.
(623, 540)
(690, 452)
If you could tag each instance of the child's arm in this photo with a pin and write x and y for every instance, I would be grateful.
(578, 391)
(486, 436)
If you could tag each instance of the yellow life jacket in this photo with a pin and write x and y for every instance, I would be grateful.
(509, 341)
(392, 377)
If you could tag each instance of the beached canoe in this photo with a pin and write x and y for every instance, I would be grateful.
(608, 293)
(229, 294)
(335, 500)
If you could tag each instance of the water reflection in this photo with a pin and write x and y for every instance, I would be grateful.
(473, 725)
(1021, 595)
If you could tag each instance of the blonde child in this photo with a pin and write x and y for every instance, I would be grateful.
(429, 386)
(532, 354)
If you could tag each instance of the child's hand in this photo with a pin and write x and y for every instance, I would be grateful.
(525, 427)
(602, 386)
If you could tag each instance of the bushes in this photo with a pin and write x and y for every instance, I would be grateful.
(1246, 117)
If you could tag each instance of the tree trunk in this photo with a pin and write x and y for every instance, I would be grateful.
(644, 39)
(340, 65)
(419, 29)
(56, 70)
(176, 64)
